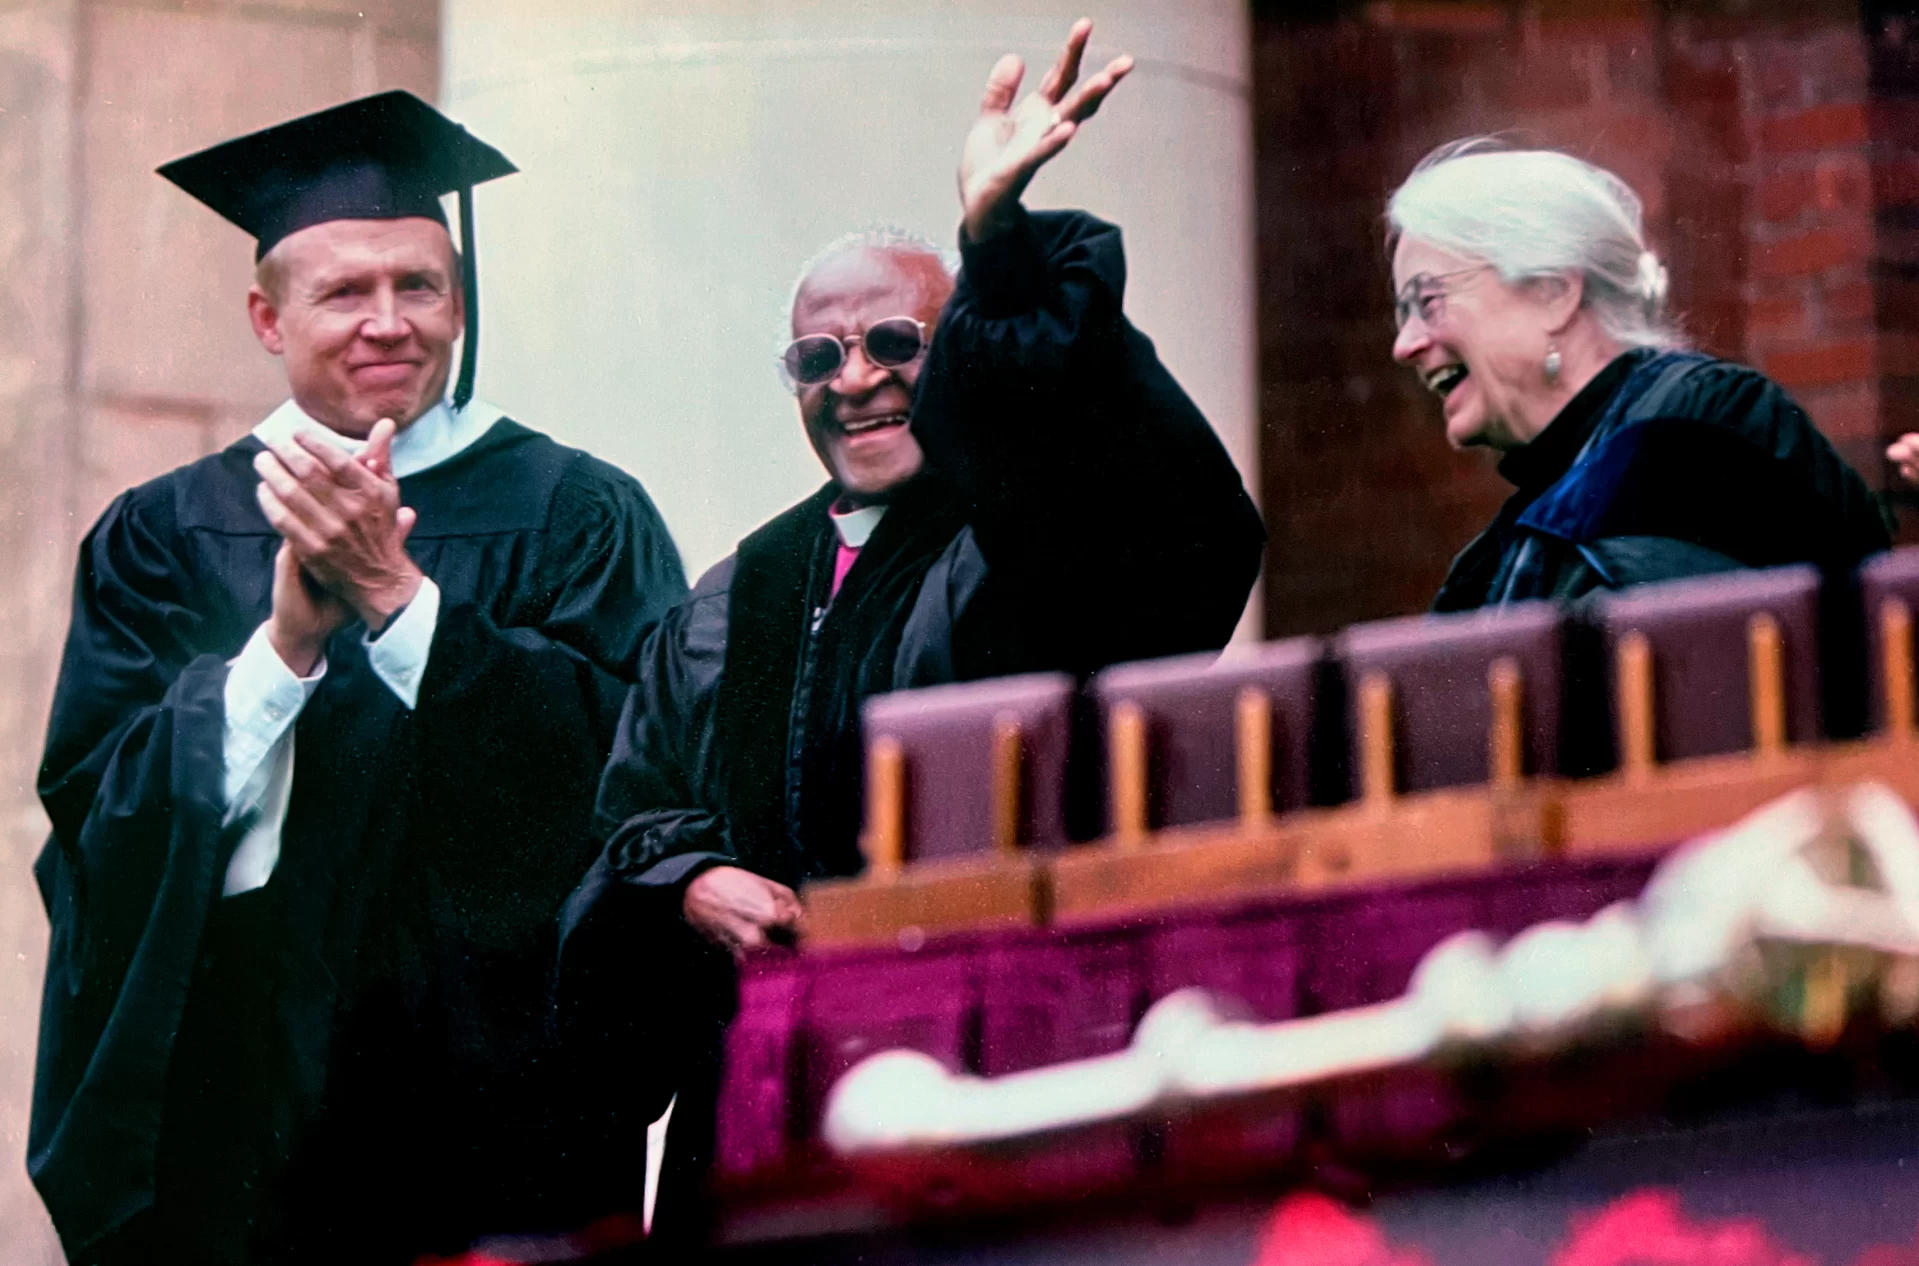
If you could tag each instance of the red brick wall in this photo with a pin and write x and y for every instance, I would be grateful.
(1751, 139)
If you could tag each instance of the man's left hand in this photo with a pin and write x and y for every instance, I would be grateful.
(1011, 142)
(343, 519)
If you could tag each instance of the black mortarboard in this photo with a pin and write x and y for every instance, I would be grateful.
(383, 157)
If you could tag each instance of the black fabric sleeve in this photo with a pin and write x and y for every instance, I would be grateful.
(660, 810)
(133, 780)
(635, 988)
(516, 716)
(1095, 486)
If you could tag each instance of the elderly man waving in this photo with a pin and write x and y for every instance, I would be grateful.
(327, 730)
(1015, 484)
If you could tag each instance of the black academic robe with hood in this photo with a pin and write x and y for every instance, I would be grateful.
(354, 1062)
(1077, 511)
(1666, 465)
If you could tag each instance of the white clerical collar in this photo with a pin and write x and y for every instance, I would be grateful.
(856, 526)
(434, 436)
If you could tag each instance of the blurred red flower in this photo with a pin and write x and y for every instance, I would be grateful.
(1648, 1228)
(1890, 1255)
(1310, 1229)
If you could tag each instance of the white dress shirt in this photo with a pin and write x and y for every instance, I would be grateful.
(264, 697)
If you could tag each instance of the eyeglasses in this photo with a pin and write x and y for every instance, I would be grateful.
(810, 361)
(1424, 296)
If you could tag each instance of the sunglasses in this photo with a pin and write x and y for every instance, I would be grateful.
(815, 359)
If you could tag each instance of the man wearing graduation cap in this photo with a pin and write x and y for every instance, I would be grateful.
(326, 732)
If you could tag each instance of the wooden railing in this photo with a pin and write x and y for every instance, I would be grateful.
(1383, 834)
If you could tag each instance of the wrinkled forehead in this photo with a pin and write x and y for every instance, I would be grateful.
(859, 286)
(352, 246)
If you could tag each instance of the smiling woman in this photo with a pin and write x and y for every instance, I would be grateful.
(1528, 301)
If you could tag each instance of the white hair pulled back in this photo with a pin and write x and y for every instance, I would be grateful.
(1538, 213)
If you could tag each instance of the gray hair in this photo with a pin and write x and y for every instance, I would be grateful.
(877, 237)
(1538, 213)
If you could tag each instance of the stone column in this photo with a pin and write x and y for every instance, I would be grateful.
(37, 267)
(124, 346)
(680, 161)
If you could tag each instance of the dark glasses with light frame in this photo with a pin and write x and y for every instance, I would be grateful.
(817, 358)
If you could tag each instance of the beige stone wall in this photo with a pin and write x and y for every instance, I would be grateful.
(124, 347)
(681, 160)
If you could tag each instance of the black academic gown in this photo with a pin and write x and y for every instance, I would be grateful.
(1078, 511)
(353, 1063)
(1666, 465)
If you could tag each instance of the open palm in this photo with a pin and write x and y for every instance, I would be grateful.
(1009, 142)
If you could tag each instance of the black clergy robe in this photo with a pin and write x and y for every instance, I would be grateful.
(353, 1063)
(1077, 511)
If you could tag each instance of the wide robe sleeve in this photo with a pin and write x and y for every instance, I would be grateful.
(658, 809)
(132, 780)
(1096, 489)
(517, 713)
(636, 993)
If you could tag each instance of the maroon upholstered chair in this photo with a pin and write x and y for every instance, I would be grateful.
(1438, 668)
(1698, 634)
(1190, 706)
(1889, 576)
(948, 737)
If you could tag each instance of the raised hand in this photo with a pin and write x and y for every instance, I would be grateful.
(1009, 143)
(343, 520)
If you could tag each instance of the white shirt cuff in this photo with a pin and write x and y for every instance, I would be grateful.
(263, 699)
(258, 851)
(400, 652)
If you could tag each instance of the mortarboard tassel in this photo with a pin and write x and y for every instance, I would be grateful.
(470, 281)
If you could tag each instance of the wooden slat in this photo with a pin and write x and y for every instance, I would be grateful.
(885, 808)
(927, 899)
(1766, 666)
(1635, 702)
(1895, 639)
(1376, 739)
(1007, 744)
(1127, 750)
(1505, 737)
(1253, 746)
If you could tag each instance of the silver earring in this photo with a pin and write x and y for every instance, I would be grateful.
(1553, 363)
